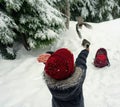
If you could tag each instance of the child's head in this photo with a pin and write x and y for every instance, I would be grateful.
(60, 65)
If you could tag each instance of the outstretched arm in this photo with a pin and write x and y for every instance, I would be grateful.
(81, 59)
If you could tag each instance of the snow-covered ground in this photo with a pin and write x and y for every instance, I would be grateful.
(22, 85)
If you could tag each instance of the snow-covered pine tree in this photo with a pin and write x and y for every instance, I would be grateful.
(95, 10)
(37, 21)
(7, 35)
(42, 21)
(84, 8)
(64, 7)
(108, 9)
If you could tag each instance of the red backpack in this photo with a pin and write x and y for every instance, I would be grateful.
(101, 59)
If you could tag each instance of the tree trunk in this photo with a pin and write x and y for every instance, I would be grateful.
(23, 39)
(67, 13)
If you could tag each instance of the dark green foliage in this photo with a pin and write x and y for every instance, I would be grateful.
(34, 23)
(95, 10)
(5, 53)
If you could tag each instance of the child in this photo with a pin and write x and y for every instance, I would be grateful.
(64, 78)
